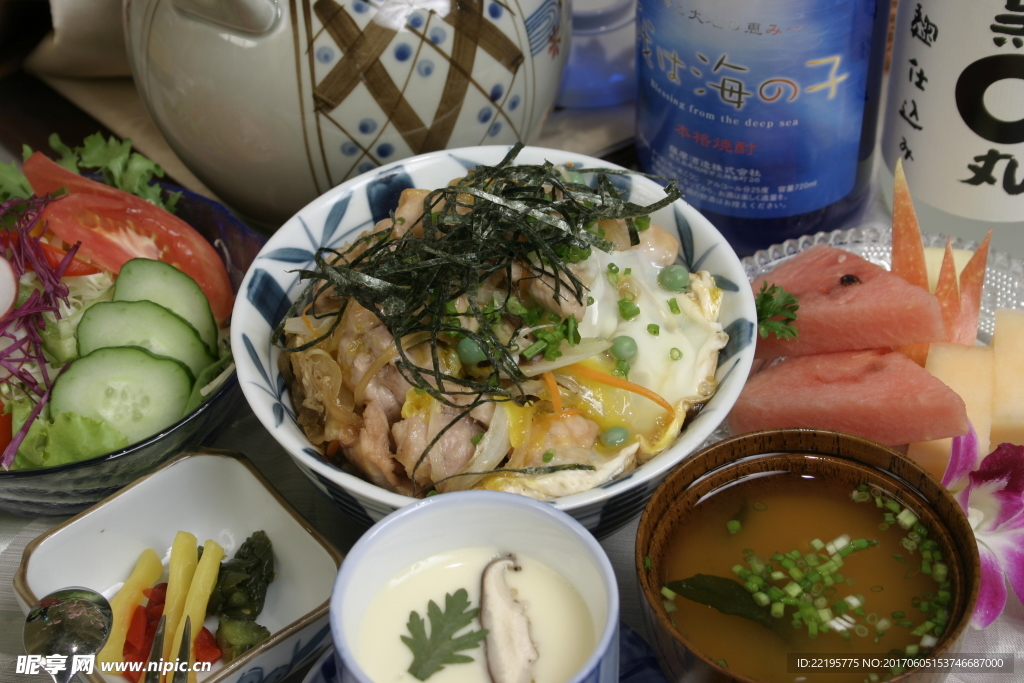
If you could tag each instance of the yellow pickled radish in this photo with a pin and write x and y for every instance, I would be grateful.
(148, 569)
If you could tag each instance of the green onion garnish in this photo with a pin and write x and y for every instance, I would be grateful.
(628, 310)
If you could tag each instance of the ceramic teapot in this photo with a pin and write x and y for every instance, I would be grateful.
(273, 102)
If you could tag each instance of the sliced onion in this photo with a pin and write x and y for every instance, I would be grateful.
(409, 341)
(324, 366)
(570, 354)
(489, 453)
(307, 330)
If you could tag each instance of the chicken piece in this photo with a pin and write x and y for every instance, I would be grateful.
(542, 290)
(411, 439)
(372, 452)
(455, 447)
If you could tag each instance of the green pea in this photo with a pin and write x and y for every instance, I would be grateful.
(674, 278)
(470, 352)
(624, 348)
(614, 436)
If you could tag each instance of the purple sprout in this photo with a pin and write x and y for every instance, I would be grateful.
(21, 328)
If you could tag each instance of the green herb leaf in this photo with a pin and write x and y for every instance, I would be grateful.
(432, 652)
(13, 183)
(725, 595)
(121, 168)
(776, 309)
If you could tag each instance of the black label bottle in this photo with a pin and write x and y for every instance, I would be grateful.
(955, 116)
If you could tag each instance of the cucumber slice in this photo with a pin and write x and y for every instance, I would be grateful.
(132, 390)
(146, 325)
(143, 279)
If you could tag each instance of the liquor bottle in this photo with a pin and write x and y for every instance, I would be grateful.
(955, 115)
(763, 111)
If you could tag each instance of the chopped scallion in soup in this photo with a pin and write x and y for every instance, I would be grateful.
(788, 563)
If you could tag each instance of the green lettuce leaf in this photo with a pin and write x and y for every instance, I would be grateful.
(62, 440)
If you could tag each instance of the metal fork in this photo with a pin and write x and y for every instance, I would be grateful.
(184, 653)
(156, 653)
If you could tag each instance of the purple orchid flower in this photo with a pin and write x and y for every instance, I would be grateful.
(993, 499)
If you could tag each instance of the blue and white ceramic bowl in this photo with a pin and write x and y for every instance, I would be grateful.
(468, 519)
(342, 213)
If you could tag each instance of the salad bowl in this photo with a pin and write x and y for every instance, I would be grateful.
(338, 216)
(70, 488)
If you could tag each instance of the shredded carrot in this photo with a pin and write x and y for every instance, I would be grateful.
(556, 395)
(619, 383)
(332, 447)
(305, 319)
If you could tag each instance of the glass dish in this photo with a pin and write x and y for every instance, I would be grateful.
(1004, 276)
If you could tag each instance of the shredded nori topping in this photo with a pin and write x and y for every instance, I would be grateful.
(539, 217)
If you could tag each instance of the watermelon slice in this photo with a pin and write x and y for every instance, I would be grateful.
(880, 395)
(907, 246)
(875, 309)
(972, 282)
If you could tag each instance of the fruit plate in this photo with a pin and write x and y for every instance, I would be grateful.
(1004, 276)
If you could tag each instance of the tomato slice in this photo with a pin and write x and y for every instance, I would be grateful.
(114, 227)
(205, 647)
(54, 256)
(136, 636)
(47, 176)
(6, 429)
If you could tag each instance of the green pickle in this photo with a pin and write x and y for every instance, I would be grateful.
(239, 595)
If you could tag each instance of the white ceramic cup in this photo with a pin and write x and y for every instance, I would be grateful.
(477, 519)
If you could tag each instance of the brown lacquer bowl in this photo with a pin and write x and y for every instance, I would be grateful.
(830, 456)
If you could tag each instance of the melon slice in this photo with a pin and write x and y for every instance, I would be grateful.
(1008, 378)
(907, 246)
(877, 310)
(967, 370)
(879, 395)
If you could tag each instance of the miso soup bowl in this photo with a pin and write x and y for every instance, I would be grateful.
(470, 519)
(819, 453)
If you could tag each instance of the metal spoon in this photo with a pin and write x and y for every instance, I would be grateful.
(70, 621)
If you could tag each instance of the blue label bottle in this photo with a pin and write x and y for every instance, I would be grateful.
(764, 112)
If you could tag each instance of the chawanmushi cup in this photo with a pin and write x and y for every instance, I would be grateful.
(476, 519)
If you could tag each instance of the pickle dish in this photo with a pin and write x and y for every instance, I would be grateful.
(220, 497)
